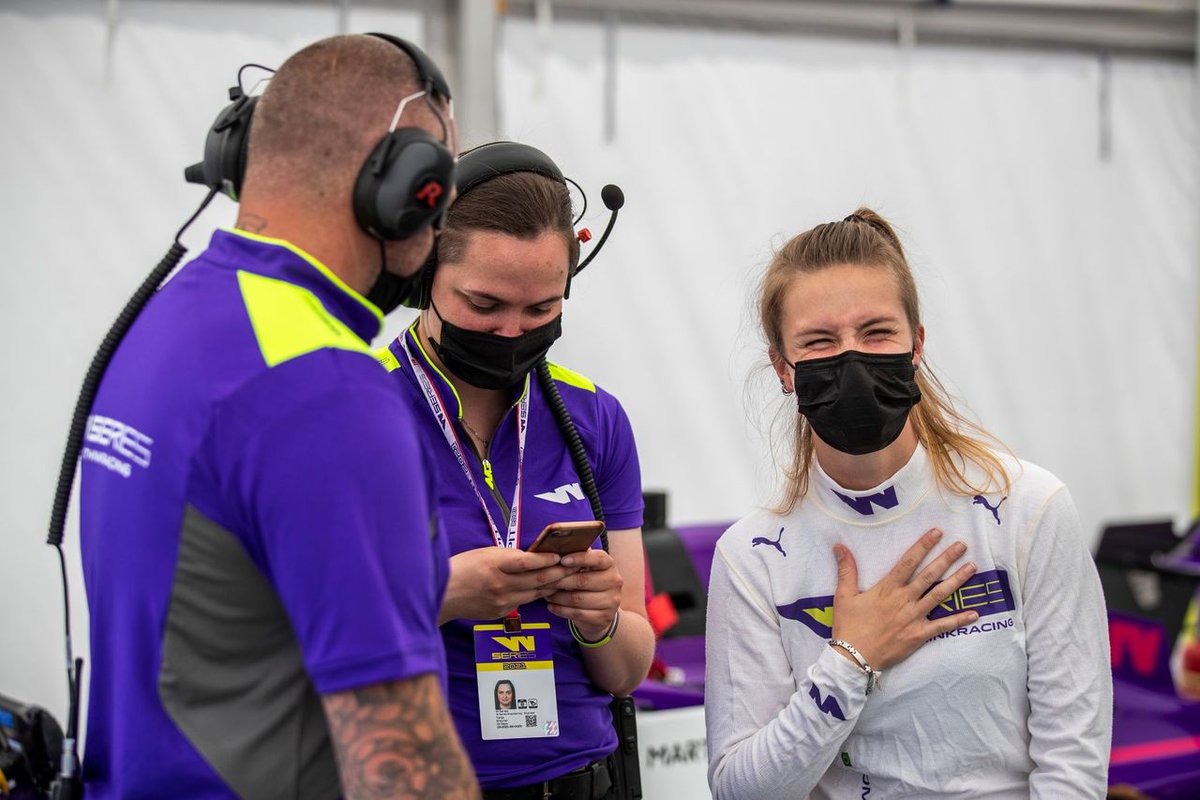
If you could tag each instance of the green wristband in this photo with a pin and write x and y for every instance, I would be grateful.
(612, 629)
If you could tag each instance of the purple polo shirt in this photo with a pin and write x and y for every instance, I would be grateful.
(251, 537)
(550, 493)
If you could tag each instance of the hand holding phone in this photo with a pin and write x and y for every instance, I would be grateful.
(567, 537)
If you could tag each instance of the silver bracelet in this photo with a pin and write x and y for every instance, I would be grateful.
(874, 677)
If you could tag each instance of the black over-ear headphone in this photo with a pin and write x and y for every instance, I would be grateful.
(403, 185)
(481, 164)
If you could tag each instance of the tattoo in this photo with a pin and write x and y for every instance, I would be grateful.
(396, 739)
(252, 222)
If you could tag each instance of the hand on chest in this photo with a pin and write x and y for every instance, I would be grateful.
(803, 574)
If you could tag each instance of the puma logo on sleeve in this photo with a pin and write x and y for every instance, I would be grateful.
(773, 542)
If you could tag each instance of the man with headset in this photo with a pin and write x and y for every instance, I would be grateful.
(263, 564)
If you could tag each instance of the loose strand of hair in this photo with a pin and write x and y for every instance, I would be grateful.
(944, 432)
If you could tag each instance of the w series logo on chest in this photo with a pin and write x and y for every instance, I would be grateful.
(985, 593)
(562, 495)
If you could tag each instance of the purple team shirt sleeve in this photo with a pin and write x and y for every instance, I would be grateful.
(618, 474)
(342, 527)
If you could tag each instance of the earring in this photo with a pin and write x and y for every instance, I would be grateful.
(783, 388)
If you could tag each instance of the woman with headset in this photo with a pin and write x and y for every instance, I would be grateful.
(572, 628)
(845, 660)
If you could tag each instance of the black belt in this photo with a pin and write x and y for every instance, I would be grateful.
(592, 782)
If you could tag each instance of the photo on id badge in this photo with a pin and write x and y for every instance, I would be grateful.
(515, 678)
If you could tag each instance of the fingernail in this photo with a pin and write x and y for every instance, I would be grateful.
(838, 552)
(568, 561)
(936, 534)
(971, 566)
(959, 548)
(972, 616)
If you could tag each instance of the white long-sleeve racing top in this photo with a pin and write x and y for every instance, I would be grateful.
(1017, 704)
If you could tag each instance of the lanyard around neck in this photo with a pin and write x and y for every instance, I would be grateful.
(434, 399)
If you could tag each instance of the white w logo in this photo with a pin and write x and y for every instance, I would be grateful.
(563, 494)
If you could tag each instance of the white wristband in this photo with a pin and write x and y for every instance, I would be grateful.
(873, 676)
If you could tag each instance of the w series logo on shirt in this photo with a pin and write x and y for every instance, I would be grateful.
(828, 705)
(562, 494)
(866, 505)
(985, 593)
(124, 442)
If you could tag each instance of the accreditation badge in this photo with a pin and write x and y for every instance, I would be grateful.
(514, 672)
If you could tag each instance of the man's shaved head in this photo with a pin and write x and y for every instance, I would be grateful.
(323, 112)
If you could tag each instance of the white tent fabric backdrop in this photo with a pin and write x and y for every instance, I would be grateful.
(1054, 237)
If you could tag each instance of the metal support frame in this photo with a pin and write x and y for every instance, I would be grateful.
(1195, 498)
(1162, 28)
(460, 35)
(1151, 27)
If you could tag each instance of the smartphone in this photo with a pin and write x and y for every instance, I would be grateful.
(567, 537)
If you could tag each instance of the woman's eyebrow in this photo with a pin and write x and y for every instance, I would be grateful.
(881, 320)
(475, 294)
(813, 331)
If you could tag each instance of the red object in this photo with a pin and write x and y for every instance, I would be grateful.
(584, 235)
(661, 613)
(1191, 656)
(1163, 748)
(1135, 646)
(1188, 682)
(430, 193)
(658, 669)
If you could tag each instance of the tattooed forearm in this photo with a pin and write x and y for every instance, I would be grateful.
(396, 739)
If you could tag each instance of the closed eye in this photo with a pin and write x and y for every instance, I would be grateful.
(482, 308)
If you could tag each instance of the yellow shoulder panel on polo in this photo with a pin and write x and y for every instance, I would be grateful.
(387, 358)
(570, 377)
(290, 321)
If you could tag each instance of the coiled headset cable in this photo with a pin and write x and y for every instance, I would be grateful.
(570, 434)
(69, 783)
(613, 199)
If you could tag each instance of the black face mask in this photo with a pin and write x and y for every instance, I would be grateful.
(391, 291)
(857, 402)
(490, 361)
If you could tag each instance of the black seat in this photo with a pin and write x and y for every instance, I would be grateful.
(671, 568)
